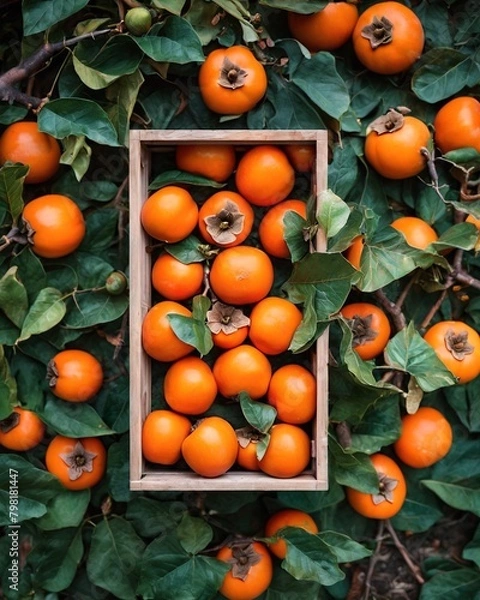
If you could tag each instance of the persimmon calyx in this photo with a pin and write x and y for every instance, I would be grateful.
(10, 422)
(226, 225)
(248, 435)
(244, 557)
(361, 328)
(378, 32)
(226, 319)
(79, 461)
(457, 344)
(52, 373)
(391, 121)
(231, 75)
(387, 486)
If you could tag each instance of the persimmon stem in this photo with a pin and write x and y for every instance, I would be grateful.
(374, 559)
(414, 568)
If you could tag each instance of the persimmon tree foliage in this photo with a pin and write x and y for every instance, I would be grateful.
(87, 74)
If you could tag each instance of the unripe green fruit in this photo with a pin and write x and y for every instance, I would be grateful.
(116, 283)
(138, 20)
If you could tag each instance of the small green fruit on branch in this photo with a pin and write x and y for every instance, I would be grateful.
(32, 64)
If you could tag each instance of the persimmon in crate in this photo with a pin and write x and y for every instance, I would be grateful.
(224, 395)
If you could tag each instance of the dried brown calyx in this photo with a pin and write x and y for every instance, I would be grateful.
(457, 344)
(386, 487)
(231, 75)
(52, 373)
(248, 435)
(378, 32)
(362, 330)
(224, 318)
(390, 121)
(79, 461)
(9, 422)
(226, 225)
(244, 557)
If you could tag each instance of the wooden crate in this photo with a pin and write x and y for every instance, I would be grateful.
(143, 475)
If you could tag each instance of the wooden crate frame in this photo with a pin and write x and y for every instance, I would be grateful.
(144, 476)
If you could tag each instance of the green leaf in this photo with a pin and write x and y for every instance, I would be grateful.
(12, 177)
(293, 233)
(8, 387)
(76, 116)
(379, 427)
(443, 73)
(56, 558)
(472, 550)
(304, 7)
(186, 251)
(194, 534)
(115, 557)
(39, 16)
(194, 330)
(310, 558)
(77, 154)
(118, 470)
(175, 177)
(154, 518)
(66, 509)
(13, 297)
(47, 310)
(452, 585)
(456, 495)
(407, 351)
(91, 308)
(169, 572)
(174, 42)
(319, 79)
(173, 6)
(123, 94)
(259, 415)
(353, 470)
(345, 549)
(73, 419)
(333, 213)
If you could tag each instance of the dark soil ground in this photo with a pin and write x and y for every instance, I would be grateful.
(387, 576)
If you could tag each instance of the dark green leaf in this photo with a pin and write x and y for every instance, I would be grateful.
(193, 330)
(353, 470)
(11, 188)
(47, 310)
(92, 308)
(472, 550)
(76, 116)
(8, 387)
(66, 509)
(118, 470)
(302, 6)
(175, 177)
(39, 16)
(194, 534)
(13, 297)
(152, 518)
(186, 251)
(173, 6)
(115, 557)
(261, 416)
(73, 419)
(456, 495)
(379, 428)
(344, 548)
(452, 585)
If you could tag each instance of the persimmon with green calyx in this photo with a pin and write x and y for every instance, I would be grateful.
(425, 438)
(23, 142)
(457, 345)
(55, 225)
(388, 38)
(231, 80)
(389, 499)
(251, 571)
(79, 464)
(396, 145)
(22, 430)
(75, 375)
(116, 283)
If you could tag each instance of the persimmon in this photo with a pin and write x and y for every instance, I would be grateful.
(425, 438)
(231, 80)
(225, 219)
(211, 448)
(229, 325)
(247, 456)
(457, 345)
(158, 337)
(251, 570)
(288, 453)
(302, 156)
(328, 29)
(176, 280)
(264, 175)
(370, 328)
(273, 322)
(391, 495)
(242, 369)
(22, 430)
(287, 517)
(189, 386)
(271, 229)
(354, 252)
(293, 393)
(457, 124)
(241, 275)
(388, 38)
(170, 214)
(163, 432)
(79, 464)
(75, 375)
(417, 232)
(55, 225)
(23, 142)
(214, 161)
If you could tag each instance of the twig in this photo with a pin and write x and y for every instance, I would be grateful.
(374, 559)
(393, 309)
(32, 64)
(414, 568)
